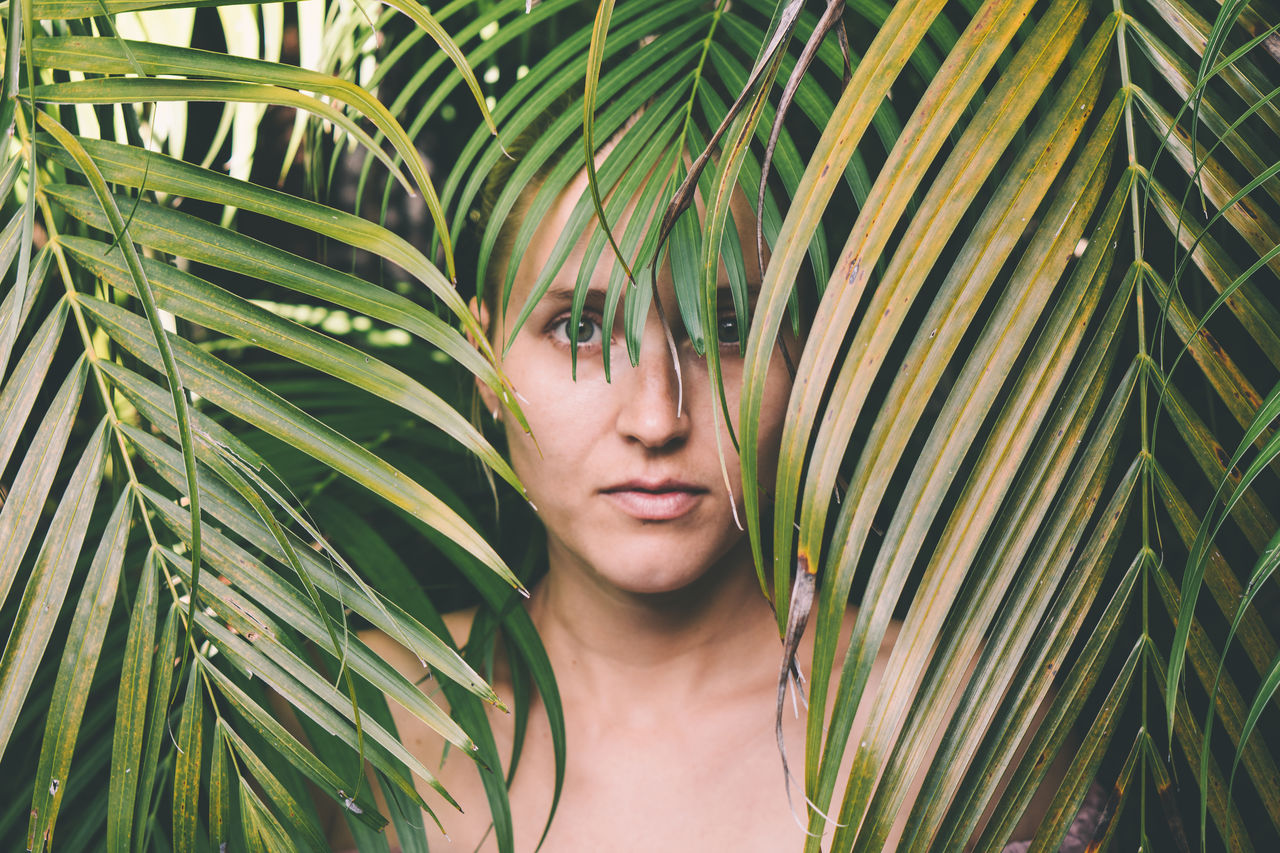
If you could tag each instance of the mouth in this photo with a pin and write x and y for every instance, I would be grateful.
(652, 500)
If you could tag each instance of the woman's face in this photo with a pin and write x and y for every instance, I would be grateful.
(630, 494)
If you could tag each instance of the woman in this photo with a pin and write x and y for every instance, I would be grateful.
(665, 652)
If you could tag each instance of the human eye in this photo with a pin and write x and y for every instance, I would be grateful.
(727, 332)
(587, 334)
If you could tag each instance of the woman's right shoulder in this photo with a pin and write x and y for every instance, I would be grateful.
(458, 624)
(406, 662)
(459, 777)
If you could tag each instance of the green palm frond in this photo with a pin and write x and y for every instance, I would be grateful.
(1033, 250)
(172, 452)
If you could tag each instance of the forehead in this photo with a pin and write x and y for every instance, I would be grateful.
(567, 237)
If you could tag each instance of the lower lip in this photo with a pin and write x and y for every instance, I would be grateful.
(654, 506)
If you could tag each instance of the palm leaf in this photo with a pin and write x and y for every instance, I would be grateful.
(1022, 411)
(117, 270)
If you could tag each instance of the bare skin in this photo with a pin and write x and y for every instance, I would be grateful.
(670, 744)
(665, 651)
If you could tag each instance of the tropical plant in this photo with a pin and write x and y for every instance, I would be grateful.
(1023, 422)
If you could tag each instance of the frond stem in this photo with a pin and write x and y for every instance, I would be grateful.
(697, 72)
(86, 339)
(1143, 431)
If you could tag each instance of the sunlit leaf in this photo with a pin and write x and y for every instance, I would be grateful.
(34, 480)
(79, 660)
(47, 585)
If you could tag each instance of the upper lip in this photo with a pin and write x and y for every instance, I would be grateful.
(655, 486)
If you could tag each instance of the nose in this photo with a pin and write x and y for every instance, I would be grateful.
(648, 414)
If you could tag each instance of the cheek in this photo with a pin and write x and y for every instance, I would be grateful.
(773, 412)
(564, 417)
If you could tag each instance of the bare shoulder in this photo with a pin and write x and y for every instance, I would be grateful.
(884, 664)
(459, 777)
(847, 625)
(406, 662)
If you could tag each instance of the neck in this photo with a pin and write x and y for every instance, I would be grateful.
(696, 641)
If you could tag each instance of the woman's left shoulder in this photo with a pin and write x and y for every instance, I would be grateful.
(847, 625)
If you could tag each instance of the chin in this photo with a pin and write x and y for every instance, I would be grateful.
(649, 560)
(670, 570)
(654, 583)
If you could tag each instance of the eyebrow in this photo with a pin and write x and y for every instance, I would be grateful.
(563, 296)
(724, 293)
